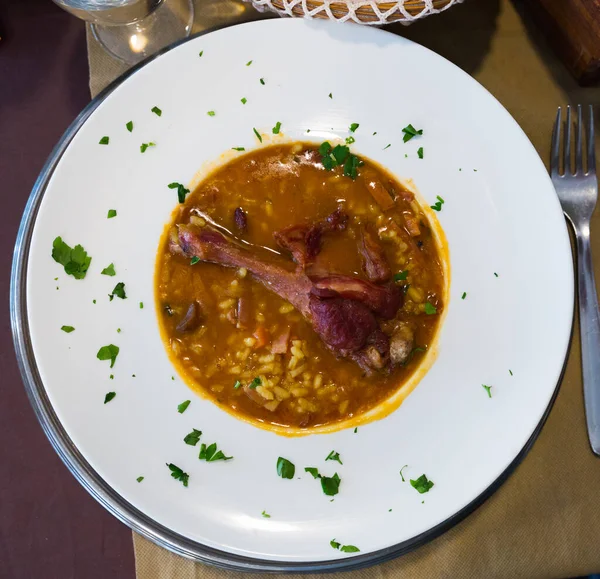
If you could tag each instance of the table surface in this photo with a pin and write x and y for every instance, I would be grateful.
(49, 526)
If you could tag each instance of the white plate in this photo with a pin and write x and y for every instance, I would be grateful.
(501, 216)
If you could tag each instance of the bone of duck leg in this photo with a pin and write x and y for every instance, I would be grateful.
(212, 246)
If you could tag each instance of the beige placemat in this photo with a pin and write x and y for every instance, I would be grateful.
(544, 522)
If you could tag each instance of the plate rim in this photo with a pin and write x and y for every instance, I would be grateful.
(94, 484)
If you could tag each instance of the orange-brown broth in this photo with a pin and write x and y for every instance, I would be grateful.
(277, 187)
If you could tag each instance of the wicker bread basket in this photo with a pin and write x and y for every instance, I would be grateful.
(359, 11)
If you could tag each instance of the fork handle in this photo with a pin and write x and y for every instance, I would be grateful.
(589, 325)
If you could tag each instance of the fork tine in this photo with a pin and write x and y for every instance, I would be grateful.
(579, 143)
(591, 146)
(567, 144)
(554, 155)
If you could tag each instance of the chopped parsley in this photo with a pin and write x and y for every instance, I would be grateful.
(403, 479)
(488, 389)
(430, 309)
(181, 408)
(156, 111)
(350, 140)
(144, 146)
(109, 352)
(119, 291)
(339, 155)
(410, 132)
(496, 274)
(249, 63)
(402, 276)
(75, 260)
(256, 382)
(109, 270)
(178, 474)
(244, 100)
(129, 126)
(194, 260)
(437, 206)
(111, 213)
(344, 548)
(211, 113)
(387, 146)
(109, 396)
(329, 484)
(420, 152)
(257, 135)
(422, 484)
(181, 190)
(266, 515)
(193, 437)
(139, 478)
(285, 468)
(210, 453)
(330, 96)
(67, 329)
(463, 296)
(201, 53)
(356, 430)
(374, 133)
(103, 141)
(510, 372)
(238, 148)
(262, 81)
(353, 127)
(141, 305)
(237, 385)
(277, 128)
(412, 354)
(333, 455)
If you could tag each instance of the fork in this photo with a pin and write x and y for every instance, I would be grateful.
(578, 192)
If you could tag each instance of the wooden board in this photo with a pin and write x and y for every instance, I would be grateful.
(572, 27)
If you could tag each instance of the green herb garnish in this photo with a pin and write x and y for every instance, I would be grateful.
(178, 474)
(211, 113)
(510, 372)
(312, 470)
(109, 396)
(193, 437)
(277, 128)
(402, 276)
(156, 111)
(339, 155)
(285, 468)
(403, 480)
(256, 382)
(103, 141)
(211, 454)
(496, 274)
(249, 63)
(67, 329)
(111, 213)
(109, 352)
(350, 140)
(422, 484)
(410, 132)
(75, 260)
(262, 81)
(387, 146)
(437, 206)
(238, 148)
(334, 456)
(181, 190)
(266, 515)
(257, 135)
(119, 291)
(488, 389)
(181, 408)
(194, 260)
(237, 385)
(201, 53)
(144, 146)
(244, 100)
(356, 430)
(430, 309)
(463, 296)
(129, 126)
(139, 478)
(334, 544)
(330, 96)
(330, 485)
(420, 152)
(344, 548)
(109, 270)
(353, 127)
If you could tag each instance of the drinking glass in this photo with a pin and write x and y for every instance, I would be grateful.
(131, 30)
